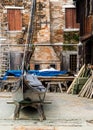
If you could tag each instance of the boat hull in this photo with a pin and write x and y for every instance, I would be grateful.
(27, 91)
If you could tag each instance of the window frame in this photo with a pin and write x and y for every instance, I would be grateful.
(73, 62)
(71, 12)
(14, 8)
(64, 11)
(37, 67)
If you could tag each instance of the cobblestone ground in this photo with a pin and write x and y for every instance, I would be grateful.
(65, 112)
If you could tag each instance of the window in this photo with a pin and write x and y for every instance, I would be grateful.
(37, 67)
(73, 62)
(70, 18)
(53, 65)
(14, 19)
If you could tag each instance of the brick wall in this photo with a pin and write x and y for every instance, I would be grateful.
(48, 29)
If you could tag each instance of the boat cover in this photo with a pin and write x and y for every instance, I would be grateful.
(33, 81)
(18, 73)
(47, 73)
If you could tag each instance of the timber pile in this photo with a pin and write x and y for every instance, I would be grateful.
(81, 80)
(87, 90)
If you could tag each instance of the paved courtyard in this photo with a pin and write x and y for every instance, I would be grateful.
(65, 112)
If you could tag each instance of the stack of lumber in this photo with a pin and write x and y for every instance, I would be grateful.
(80, 81)
(87, 90)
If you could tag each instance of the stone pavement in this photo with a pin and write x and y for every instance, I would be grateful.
(66, 112)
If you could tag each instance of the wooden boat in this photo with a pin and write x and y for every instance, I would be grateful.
(33, 88)
(29, 89)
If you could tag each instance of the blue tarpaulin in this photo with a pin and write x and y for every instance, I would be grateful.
(47, 73)
(18, 73)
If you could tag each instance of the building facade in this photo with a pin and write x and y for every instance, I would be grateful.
(85, 18)
(53, 24)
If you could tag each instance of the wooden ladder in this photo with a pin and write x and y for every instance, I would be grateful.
(4, 47)
(4, 58)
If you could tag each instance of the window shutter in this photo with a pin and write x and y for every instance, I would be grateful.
(71, 18)
(68, 18)
(11, 21)
(18, 20)
(14, 19)
(75, 24)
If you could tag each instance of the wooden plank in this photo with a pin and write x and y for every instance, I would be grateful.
(11, 19)
(47, 79)
(86, 85)
(57, 78)
(18, 20)
(45, 102)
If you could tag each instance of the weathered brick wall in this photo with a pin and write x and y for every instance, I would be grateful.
(44, 55)
(12, 2)
(43, 20)
(57, 19)
(48, 28)
(49, 20)
(56, 22)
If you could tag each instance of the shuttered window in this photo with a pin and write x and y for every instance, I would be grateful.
(70, 18)
(14, 19)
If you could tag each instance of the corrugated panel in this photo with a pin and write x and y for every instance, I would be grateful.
(16, 60)
(14, 19)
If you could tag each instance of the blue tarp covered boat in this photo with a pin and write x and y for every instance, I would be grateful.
(18, 73)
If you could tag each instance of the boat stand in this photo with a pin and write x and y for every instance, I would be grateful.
(24, 103)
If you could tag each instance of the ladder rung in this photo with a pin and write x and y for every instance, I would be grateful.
(5, 63)
(4, 60)
(4, 69)
(5, 51)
